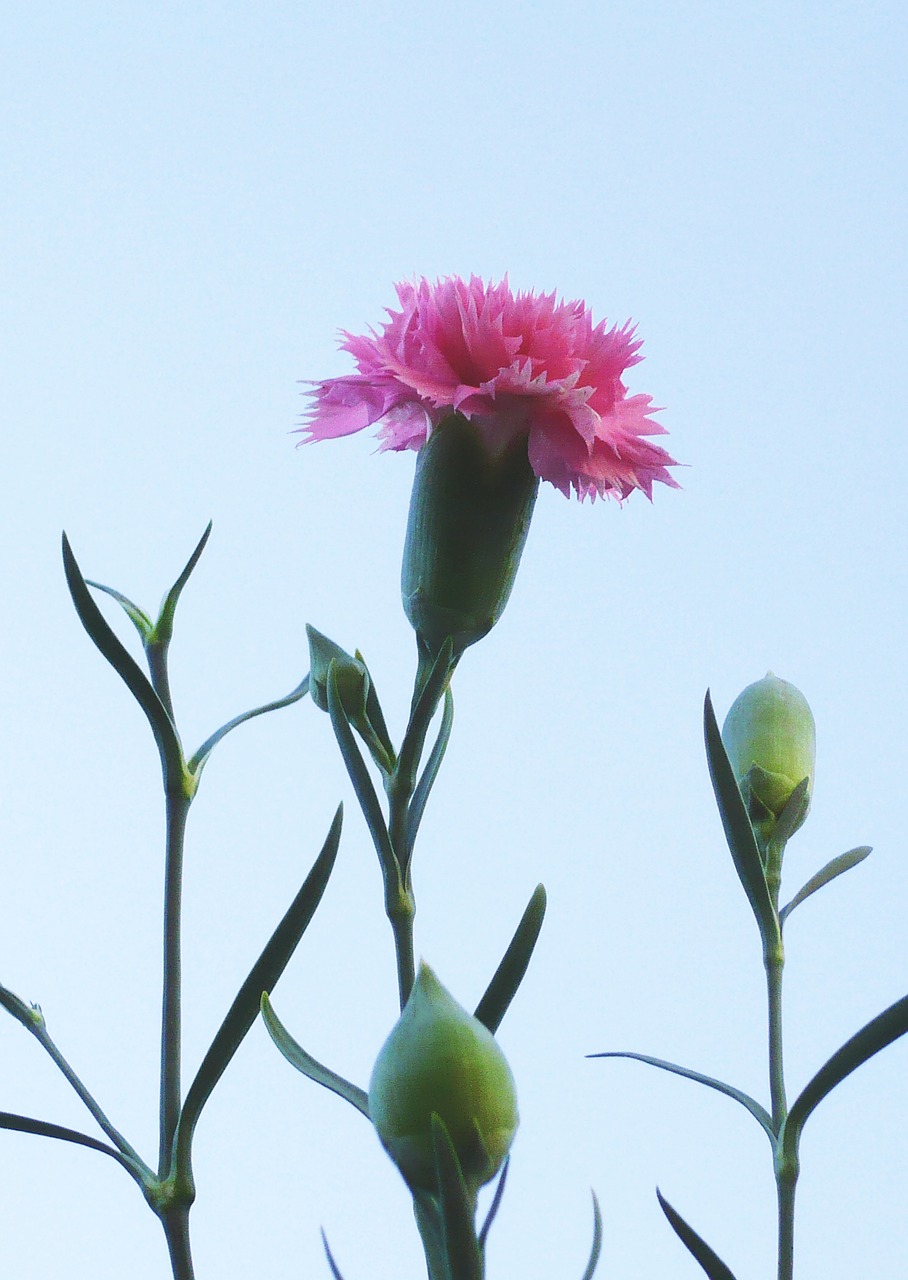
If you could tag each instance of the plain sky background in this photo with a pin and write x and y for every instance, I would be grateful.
(195, 198)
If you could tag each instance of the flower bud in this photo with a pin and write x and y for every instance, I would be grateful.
(770, 738)
(470, 513)
(352, 676)
(441, 1060)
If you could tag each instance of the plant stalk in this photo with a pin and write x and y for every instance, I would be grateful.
(177, 809)
(175, 1222)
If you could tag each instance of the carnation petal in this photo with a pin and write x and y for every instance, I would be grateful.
(513, 363)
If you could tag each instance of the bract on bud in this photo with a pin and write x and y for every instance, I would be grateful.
(352, 676)
(470, 512)
(770, 738)
(441, 1060)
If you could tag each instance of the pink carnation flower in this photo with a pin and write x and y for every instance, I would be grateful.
(514, 365)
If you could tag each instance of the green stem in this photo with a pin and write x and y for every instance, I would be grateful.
(402, 927)
(432, 1236)
(177, 808)
(786, 1171)
(156, 654)
(786, 1182)
(40, 1033)
(399, 901)
(774, 965)
(176, 1228)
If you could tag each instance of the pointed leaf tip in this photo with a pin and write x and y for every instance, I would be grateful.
(127, 668)
(510, 972)
(710, 1261)
(330, 1256)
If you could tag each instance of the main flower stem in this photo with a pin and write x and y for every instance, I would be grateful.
(400, 903)
(785, 1174)
(176, 1228)
(177, 809)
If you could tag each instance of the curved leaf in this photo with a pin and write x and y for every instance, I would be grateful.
(127, 668)
(750, 1104)
(163, 628)
(297, 1056)
(359, 776)
(44, 1129)
(462, 1250)
(738, 830)
(509, 974)
(376, 719)
(496, 1202)
(197, 763)
(423, 710)
(430, 772)
(264, 973)
(138, 617)
(711, 1263)
(876, 1035)
(597, 1241)
(835, 867)
(330, 1256)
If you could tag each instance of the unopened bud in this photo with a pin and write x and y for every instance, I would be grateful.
(352, 676)
(441, 1060)
(770, 738)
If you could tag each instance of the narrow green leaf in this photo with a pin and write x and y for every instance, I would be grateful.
(711, 1263)
(297, 1056)
(200, 759)
(359, 776)
(793, 814)
(127, 668)
(750, 1104)
(738, 831)
(457, 1208)
(430, 772)
(509, 974)
(264, 973)
(335, 1271)
(496, 1202)
(376, 716)
(835, 867)
(876, 1035)
(138, 617)
(597, 1241)
(163, 630)
(44, 1129)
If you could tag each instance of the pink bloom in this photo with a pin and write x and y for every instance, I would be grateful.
(514, 365)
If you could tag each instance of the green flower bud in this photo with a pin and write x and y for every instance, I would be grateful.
(441, 1060)
(469, 516)
(770, 738)
(352, 676)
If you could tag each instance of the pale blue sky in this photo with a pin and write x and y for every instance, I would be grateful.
(195, 199)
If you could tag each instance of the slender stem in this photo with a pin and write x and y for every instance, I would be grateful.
(427, 1220)
(785, 1188)
(156, 654)
(774, 965)
(175, 1222)
(402, 927)
(400, 903)
(40, 1033)
(177, 809)
(786, 1170)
